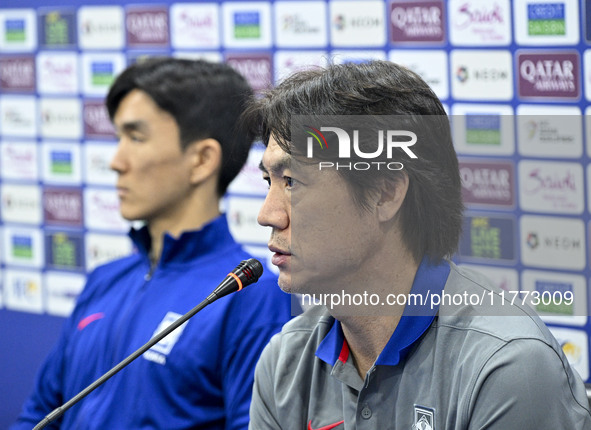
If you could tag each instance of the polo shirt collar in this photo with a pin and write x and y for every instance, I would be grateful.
(212, 238)
(416, 319)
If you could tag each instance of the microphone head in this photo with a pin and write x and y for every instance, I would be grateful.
(246, 273)
(249, 271)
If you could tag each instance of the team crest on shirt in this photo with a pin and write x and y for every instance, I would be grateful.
(159, 351)
(424, 418)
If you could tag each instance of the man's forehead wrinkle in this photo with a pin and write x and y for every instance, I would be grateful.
(275, 165)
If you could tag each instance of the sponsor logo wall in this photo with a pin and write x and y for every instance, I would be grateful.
(515, 77)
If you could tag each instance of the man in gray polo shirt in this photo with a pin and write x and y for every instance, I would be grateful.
(365, 210)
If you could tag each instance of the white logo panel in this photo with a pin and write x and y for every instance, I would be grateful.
(99, 71)
(250, 180)
(247, 25)
(242, 220)
(194, 26)
(587, 75)
(18, 116)
(23, 247)
(61, 118)
(481, 74)
(552, 242)
(554, 291)
(61, 163)
(19, 160)
(19, 30)
(546, 22)
(575, 345)
(62, 291)
(101, 210)
(101, 27)
(300, 24)
(96, 160)
(103, 248)
(288, 62)
(431, 65)
(357, 24)
(550, 131)
(57, 73)
(483, 129)
(21, 204)
(23, 291)
(479, 22)
(551, 187)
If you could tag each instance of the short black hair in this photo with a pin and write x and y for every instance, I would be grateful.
(431, 214)
(205, 99)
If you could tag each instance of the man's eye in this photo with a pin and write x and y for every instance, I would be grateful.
(136, 138)
(290, 182)
(267, 180)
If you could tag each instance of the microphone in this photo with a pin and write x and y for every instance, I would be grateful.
(246, 273)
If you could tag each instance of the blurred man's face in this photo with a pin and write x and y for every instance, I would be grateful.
(320, 239)
(153, 173)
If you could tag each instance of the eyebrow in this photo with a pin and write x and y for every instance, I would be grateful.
(131, 126)
(277, 167)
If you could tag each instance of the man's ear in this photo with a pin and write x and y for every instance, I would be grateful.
(205, 157)
(391, 197)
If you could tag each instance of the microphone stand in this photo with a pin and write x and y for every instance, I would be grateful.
(249, 270)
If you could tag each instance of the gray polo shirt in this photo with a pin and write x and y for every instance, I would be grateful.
(494, 367)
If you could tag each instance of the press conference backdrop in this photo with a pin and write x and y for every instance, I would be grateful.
(516, 76)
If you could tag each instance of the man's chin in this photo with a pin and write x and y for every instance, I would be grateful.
(127, 215)
(285, 284)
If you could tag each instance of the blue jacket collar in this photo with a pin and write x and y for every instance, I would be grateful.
(190, 245)
(429, 280)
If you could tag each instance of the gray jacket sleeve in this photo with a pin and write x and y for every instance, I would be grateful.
(262, 407)
(528, 385)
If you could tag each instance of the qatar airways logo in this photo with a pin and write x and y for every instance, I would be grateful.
(96, 120)
(487, 183)
(147, 27)
(147, 22)
(417, 22)
(545, 71)
(415, 15)
(63, 205)
(386, 141)
(17, 73)
(549, 75)
(256, 68)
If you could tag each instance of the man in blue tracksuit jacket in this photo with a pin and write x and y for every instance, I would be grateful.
(179, 148)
